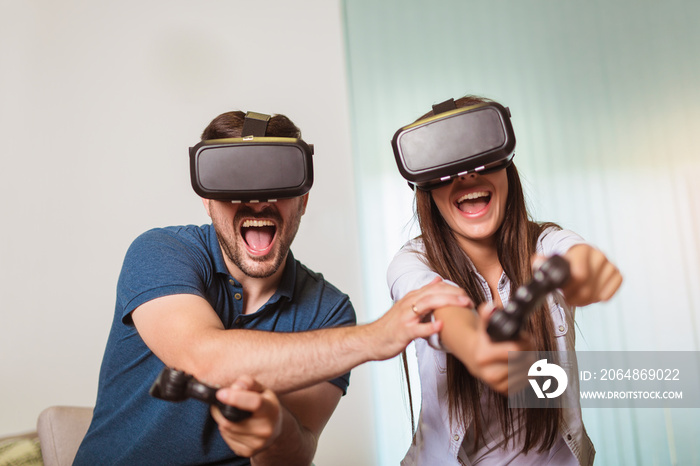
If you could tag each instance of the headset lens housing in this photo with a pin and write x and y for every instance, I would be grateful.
(251, 169)
(460, 141)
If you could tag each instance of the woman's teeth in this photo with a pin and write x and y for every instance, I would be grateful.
(472, 196)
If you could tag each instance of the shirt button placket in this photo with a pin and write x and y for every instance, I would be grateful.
(238, 296)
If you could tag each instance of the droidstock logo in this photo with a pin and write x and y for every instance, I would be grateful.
(542, 369)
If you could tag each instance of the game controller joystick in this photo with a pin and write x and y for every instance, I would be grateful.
(505, 324)
(175, 385)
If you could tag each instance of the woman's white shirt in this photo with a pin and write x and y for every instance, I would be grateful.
(437, 441)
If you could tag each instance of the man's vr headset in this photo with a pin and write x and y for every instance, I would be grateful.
(455, 141)
(252, 168)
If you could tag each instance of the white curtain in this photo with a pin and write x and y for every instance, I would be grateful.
(606, 109)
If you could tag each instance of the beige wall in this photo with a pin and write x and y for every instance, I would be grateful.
(98, 104)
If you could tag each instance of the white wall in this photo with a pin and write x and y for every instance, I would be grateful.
(98, 104)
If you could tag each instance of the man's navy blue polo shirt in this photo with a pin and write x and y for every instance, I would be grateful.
(131, 427)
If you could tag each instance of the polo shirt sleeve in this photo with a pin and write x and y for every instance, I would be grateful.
(342, 315)
(159, 263)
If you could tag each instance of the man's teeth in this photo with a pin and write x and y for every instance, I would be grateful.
(474, 195)
(257, 223)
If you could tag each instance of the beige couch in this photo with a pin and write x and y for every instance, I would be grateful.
(60, 430)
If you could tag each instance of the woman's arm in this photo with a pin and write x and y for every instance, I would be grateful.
(464, 330)
(464, 335)
(593, 277)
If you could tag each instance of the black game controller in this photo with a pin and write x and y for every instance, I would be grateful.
(505, 324)
(175, 385)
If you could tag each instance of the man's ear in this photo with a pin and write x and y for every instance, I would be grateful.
(304, 200)
(206, 206)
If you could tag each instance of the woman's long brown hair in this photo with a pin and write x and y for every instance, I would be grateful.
(516, 241)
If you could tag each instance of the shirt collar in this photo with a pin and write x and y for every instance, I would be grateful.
(215, 251)
(289, 278)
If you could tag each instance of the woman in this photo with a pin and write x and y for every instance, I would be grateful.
(476, 232)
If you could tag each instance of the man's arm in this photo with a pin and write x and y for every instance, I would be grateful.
(309, 410)
(185, 332)
(281, 431)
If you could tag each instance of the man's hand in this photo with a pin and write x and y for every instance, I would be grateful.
(258, 432)
(593, 277)
(406, 320)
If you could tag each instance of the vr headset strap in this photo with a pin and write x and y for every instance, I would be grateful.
(255, 124)
(443, 107)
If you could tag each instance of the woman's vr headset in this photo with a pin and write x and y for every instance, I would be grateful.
(455, 141)
(253, 168)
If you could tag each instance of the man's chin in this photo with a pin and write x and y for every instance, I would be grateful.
(258, 273)
(260, 266)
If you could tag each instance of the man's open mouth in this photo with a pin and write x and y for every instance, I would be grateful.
(258, 234)
(473, 203)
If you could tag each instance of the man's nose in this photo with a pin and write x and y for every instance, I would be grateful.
(259, 206)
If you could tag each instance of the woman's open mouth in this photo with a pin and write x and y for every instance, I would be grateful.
(474, 202)
(259, 235)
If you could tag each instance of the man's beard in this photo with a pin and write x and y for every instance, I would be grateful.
(259, 266)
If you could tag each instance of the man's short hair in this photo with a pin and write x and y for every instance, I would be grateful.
(230, 125)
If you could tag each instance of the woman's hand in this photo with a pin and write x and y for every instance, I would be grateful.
(256, 433)
(488, 360)
(593, 277)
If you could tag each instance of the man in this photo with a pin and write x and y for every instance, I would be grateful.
(229, 304)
